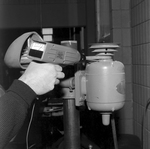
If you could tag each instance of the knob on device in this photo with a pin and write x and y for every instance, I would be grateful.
(105, 80)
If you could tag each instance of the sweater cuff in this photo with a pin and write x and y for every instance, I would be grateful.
(23, 90)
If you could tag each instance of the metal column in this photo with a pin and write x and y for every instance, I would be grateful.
(71, 124)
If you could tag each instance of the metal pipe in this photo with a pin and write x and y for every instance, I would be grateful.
(71, 125)
(114, 131)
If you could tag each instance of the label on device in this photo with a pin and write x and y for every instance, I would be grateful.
(37, 49)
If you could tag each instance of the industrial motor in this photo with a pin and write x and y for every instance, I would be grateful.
(105, 81)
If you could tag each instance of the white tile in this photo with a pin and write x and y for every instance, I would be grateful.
(127, 111)
(126, 34)
(127, 57)
(128, 73)
(125, 18)
(117, 36)
(116, 19)
(126, 126)
(129, 92)
(125, 4)
(115, 4)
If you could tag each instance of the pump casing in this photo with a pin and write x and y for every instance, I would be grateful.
(102, 84)
(105, 85)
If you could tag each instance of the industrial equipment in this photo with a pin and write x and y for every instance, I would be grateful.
(102, 82)
(101, 85)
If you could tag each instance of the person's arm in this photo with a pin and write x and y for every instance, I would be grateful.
(14, 105)
(37, 79)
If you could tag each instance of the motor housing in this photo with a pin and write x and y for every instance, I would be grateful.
(105, 81)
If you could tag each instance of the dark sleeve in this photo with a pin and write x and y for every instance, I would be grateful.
(14, 105)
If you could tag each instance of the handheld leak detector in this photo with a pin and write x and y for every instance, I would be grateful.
(31, 47)
(52, 53)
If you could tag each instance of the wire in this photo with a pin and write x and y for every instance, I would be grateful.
(27, 135)
(143, 122)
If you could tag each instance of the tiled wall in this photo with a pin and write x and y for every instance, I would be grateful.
(121, 33)
(140, 23)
